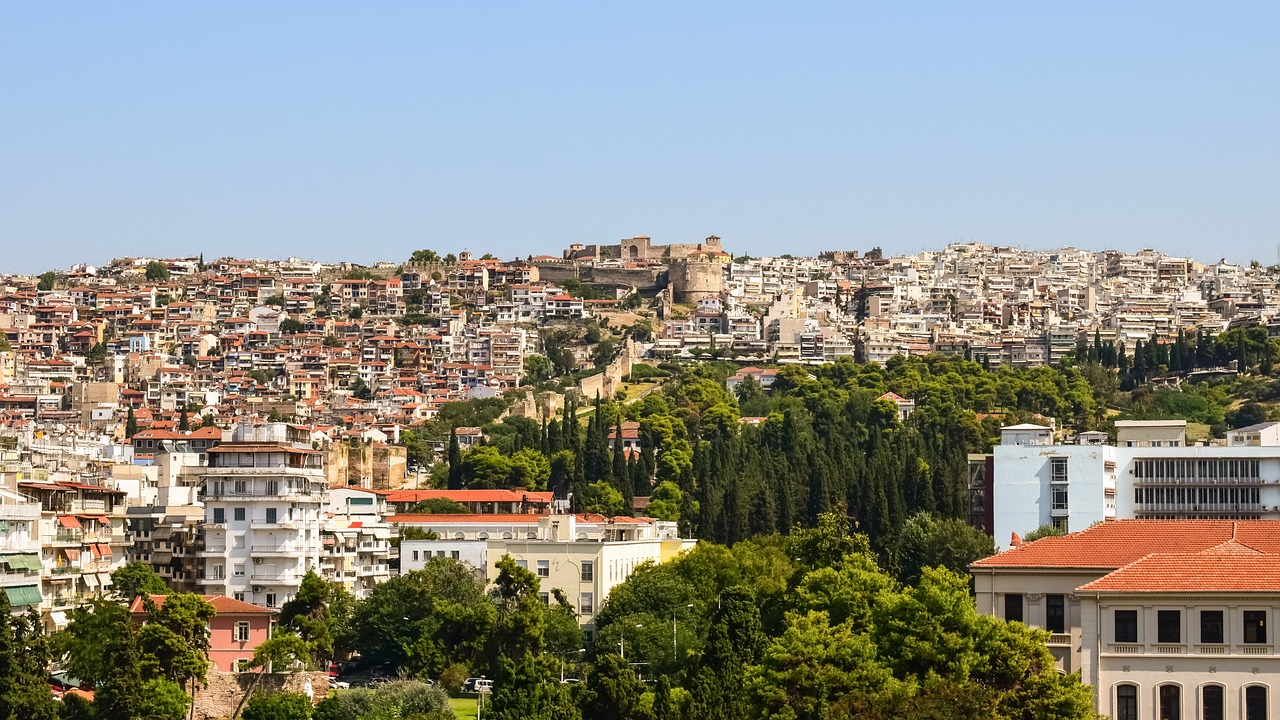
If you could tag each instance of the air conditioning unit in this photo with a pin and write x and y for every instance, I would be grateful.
(257, 588)
(257, 561)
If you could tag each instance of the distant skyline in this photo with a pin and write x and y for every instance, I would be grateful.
(363, 132)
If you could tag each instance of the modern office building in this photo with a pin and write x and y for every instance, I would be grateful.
(1150, 472)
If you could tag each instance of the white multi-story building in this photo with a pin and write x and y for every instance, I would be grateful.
(20, 565)
(1149, 473)
(263, 498)
(1163, 618)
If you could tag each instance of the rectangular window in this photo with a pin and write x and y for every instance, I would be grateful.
(242, 632)
(1055, 613)
(238, 596)
(586, 604)
(1211, 627)
(455, 554)
(1058, 469)
(238, 570)
(545, 598)
(1211, 703)
(1013, 607)
(238, 514)
(523, 563)
(1127, 702)
(1168, 626)
(242, 664)
(271, 600)
(219, 515)
(588, 573)
(1059, 498)
(415, 554)
(271, 516)
(544, 568)
(1255, 627)
(1126, 626)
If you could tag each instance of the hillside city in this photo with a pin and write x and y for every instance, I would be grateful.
(631, 479)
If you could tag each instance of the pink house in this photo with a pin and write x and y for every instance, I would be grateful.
(234, 633)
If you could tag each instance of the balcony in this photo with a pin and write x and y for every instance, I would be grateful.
(372, 570)
(66, 540)
(1169, 649)
(1255, 649)
(1126, 649)
(274, 578)
(278, 550)
(1060, 639)
(1211, 649)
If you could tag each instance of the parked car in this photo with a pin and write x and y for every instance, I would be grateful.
(336, 684)
(478, 685)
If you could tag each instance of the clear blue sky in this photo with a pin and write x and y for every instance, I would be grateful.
(365, 130)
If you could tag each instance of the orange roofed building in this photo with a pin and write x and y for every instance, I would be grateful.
(1164, 618)
(234, 633)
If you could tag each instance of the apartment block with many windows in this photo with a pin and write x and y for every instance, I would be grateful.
(263, 497)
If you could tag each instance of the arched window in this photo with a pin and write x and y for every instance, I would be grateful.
(531, 535)
(459, 536)
(483, 536)
(1127, 702)
(1211, 703)
(506, 536)
(1169, 702)
(1255, 703)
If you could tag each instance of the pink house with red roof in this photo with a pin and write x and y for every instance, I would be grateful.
(234, 633)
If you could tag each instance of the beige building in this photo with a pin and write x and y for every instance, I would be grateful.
(1166, 619)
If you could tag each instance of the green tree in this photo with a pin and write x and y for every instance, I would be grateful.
(278, 706)
(84, 645)
(424, 256)
(174, 641)
(289, 326)
(439, 506)
(425, 620)
(525, 690)
(927, 541)
(665, 502)
(47, 281)
(455, 460)
(603, 498)
(118, 695)
(307, 614)
(520, 623)
(24, 665)
(1046, 530)
(157, 271)
(130, 425)
(360, 390)
(537, 368)
(529, 469)
(613, 691)
(137, 578)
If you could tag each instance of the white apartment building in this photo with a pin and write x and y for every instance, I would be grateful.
(263, 498)
(1165, 619)
(20, 565)
(356, 541)
(1150, 472)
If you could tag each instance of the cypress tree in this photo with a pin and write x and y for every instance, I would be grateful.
(455, 461)
(130, 425)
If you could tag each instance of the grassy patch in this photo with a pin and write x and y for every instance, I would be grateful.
(464, 708)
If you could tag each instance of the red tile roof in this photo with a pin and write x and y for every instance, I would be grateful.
(1194, 572)
(1116, 543)
(223, 604)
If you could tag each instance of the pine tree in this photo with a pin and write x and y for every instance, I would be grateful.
(118, 696)
(455, 461)
(183, 424)
(130, 425)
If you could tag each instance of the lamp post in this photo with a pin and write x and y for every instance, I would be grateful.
(675, 652)
(622, 641)
(562, 663)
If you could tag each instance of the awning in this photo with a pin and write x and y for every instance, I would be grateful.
(382, 533)
(73, 554)
(68, 521)
(59, 619)
(355, 524)
(22, 561)
(96, 549)
(31, 561)
(90, 580)
(106, 550)
(105, 579)
(23, 595)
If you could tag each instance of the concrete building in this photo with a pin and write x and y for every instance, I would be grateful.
(1163, 618)
(582, 556)
(20, 565)
(1150, 473)
(263, 496)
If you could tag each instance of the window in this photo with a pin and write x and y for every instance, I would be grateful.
(544, 568)
(1169, 626)
(1059, 523)
(241, 633)
(1059, 498)
(1127, 702)
(523, 563)
(238, 515)
(242, 664)
(237, 541)
(1211, 703)
(588, 572)
(271, 600)
(1126, 626)
(219, 515)
(1055, 613)
(415, 554)
(545, 598)
(1255, 703)
(242, 487)
(1211, 627)
(1058, 469)
(238, 596)
(586, 604)
(238, 570)
(1170, 702)
(455, 554)
(1255, 627)
(271, 516)
(1013, 607)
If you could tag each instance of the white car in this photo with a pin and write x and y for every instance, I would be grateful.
(337, 684)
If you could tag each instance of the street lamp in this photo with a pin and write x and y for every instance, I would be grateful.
(562, 663)
(622, 641)
(675, 653)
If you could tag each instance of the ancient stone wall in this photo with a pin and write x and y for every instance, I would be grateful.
(694, 280)
(225, 691)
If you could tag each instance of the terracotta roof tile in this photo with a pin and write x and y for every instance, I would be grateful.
(1198, 572)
